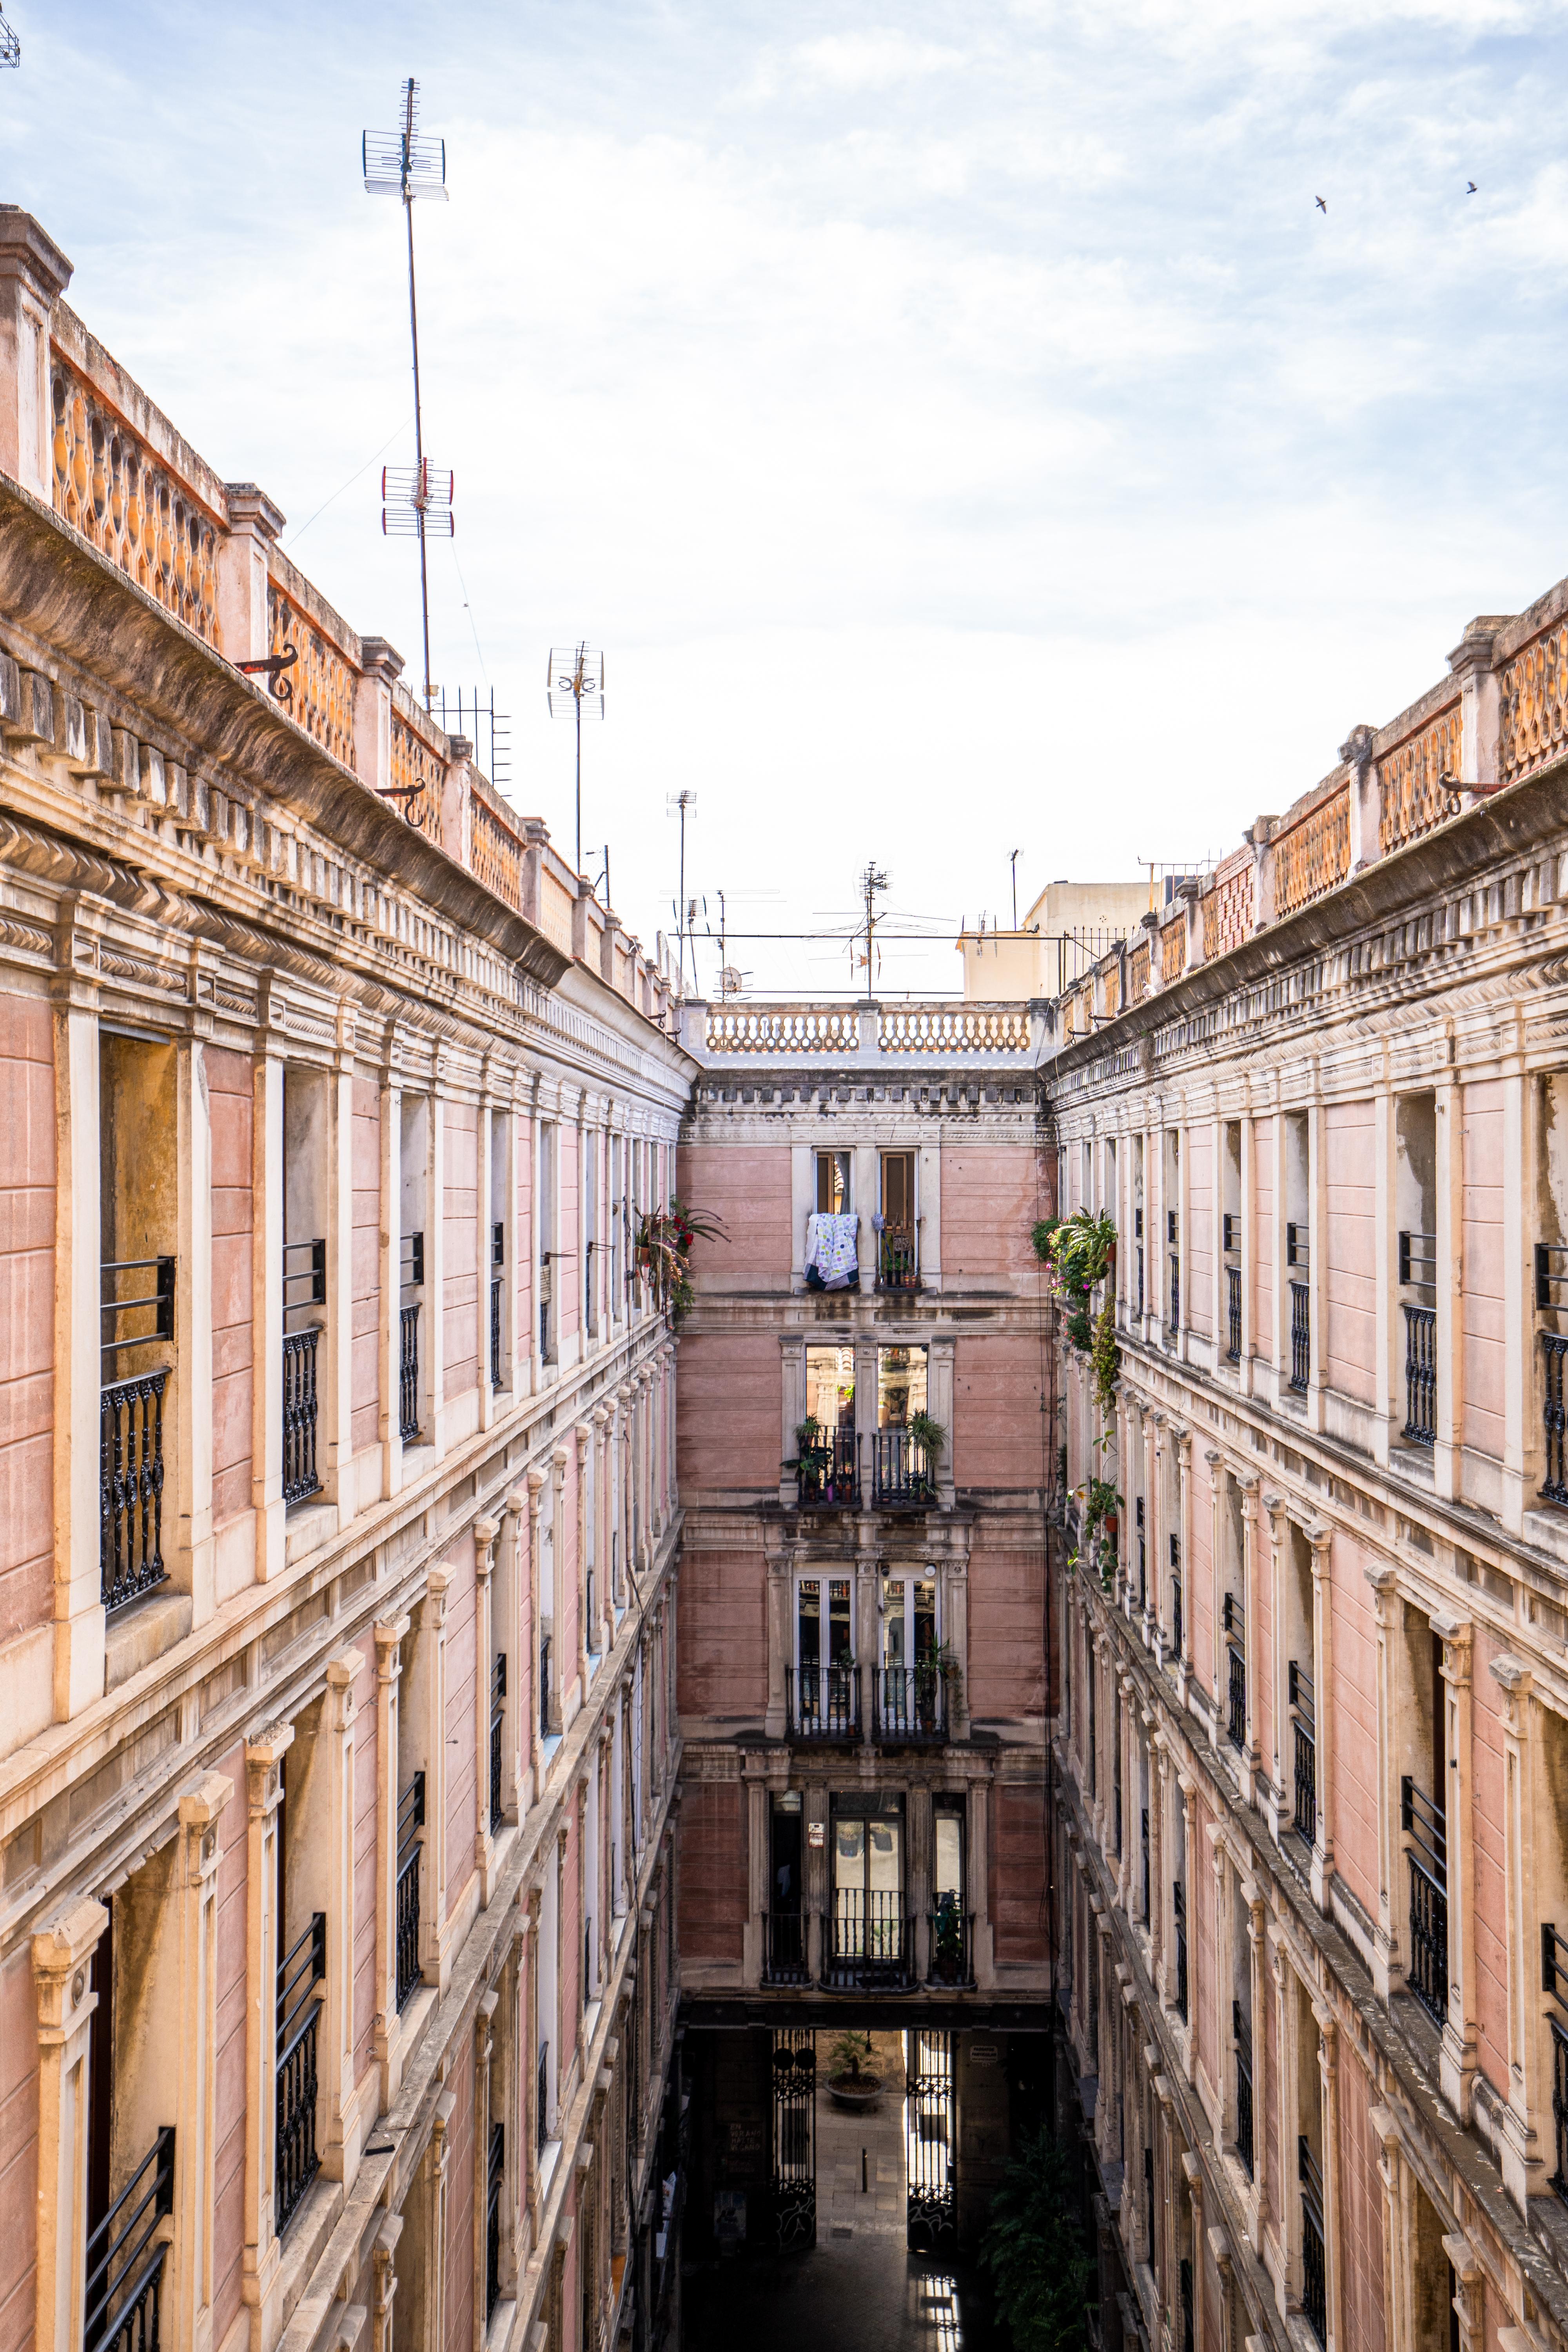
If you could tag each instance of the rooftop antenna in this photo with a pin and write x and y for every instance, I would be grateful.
(677, 804)
(576, 686)
(871, 885)
(10, 46)
(1012, 862)
(419, 503)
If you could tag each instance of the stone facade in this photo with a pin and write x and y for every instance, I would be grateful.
(1313, 1740)
(338, 1744)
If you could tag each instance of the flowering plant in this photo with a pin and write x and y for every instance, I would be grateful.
(1080, 1251)
(662, 1253)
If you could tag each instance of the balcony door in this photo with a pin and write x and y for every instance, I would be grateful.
(868, 1880)
(909, 1691)
(825, 1651)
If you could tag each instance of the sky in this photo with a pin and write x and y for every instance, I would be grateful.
(959, 425)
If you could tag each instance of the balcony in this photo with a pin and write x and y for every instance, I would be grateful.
(1427, 1858)
(1233, 1312)
(1553, 1979)
(1235, 1659)
(786, 1955)
(410, 1821)
(498, 1720)
(495, 2179)
(902, 1476)
(1314, 2284)
(911, 1706)
(1554, 1419)
(952, 1963)
(131, 1468)
(898, 1258)
(125, 2258)
(1301, 1337)
(828, 1472)
(1179, 1915)
(1243, 2037)
(823, 1702)
(296, 2158)
(1421, 1375)
(1304, 1821)
(870, 1945)
(304, 1287)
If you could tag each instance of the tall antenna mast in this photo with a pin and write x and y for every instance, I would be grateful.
(402, 164)
(872, 883)
(576, 689)
(1012, 862)
(677, 804)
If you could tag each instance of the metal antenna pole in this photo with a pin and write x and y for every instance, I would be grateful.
(1013, 861)
(418, 419)
(683, 893)
(580, 652)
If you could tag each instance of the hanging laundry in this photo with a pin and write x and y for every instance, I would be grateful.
(832, 1259)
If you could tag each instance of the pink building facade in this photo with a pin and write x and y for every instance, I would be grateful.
(1313, 1739)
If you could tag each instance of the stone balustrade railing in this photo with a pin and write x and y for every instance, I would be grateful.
(933, 1034)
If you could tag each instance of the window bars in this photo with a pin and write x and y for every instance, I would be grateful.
(495, 2176)
(498, 1260)
(1300, 1336)
(1233, 1312)
(296, 2160)
(1418, 1261)
(828, 1472)
(545, 1686)
(412, 1272)
(951, 1944)
(1554, 1417)
(912, 1704)
(1427, 1855)
(541, 2094)
(1179, 1914)
(1242, 2034)
(131, 1488)
(1235, 1659)
(410, 1821)
(1421, 1375)
(1296, 1252)
(304, 1286)
(784, 1957)
(1305, 1724)
(869, 1941)
(825, 1702)
(903, 1478)
(1554, 1982)
(498, 1719)
(1176, 1645)
(1145, 1834)
(125, 2258)
(1142, 1556)
(1314, 2293)
(1175, 1293)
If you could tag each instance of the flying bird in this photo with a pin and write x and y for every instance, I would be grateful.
(1320, 205)
(1469, 188)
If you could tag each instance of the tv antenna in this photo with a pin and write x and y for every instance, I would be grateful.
(871, 885)
(576, 686)
(416, 502)
(677, 804)
(10, 46)
(1012, 862)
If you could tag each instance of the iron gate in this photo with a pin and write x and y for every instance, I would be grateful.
(930, 2144)
(795, 2137)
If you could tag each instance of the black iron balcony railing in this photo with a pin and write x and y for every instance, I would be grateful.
(1243, 2036)
(131, 1488)
(1305, 1727)
(786, 1955)
(1418, 1261)
(951, 1945)
(902, 1477)
(495, 2177)
(1421, 1375)
(1185, 2276)
(1149, 2201)
(160, 1299)
(1554, 1419)
(1230, 1233)
(1145, 1835)
(1296, 1249)
(1428, 1855)
(827, 1473)
(1300, 1335)
(1179, 1914)
(541, 2095)
(125, 2258)
(410, 1821)
(870, 1943)
(825, 1702)
(408, 1373)
(1236, 1662)
(1176, 1649)
(912, 1704)
(1175, 1293)
(1142, 1554)
(296, 2161)
(497, 1261)
(300, 1411)
(1314, 2287)
(498, 1720)
(898, 1258)
(1233, 1312)
(545, 1686)
(1554, 1982)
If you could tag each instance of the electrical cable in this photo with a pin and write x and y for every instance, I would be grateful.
(296, 536)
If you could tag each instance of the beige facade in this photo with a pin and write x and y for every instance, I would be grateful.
(1314, 1734)
(338, 1745)
(1068, 929)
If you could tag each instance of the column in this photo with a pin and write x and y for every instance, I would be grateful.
(434, 1958)
(388, 1685)
(485, 1269)
(1387, 1379)
(483, 2052)
(1189, 1881)
(261, 2281)
(1334, 2252)
(383, 2247)
(1252, 1662)
(781, 1648)
(1323, 1870)
(341, 2144)
(511, 1609)
(1183, 1438)
(1317, 1255)
(432, 1341)
(486, 1532)
(1257, 1986)
(79, 1621)
(604, 1516)
(537, 1697)
(191, 2009)
(62, 1984)
(336, 1370)
(584, 1438)
(1520, 1451)
(1248, 1246)
(1528, 2073)
(1156, 1534)
(1280, 1338)
(267, 1293)
(1277, 1796)
(1457, 2068)
(1193, 2173)
(1215, 1464)
(1450, 1279)
(192, 1321)
(390, 1336)
(440, 2161)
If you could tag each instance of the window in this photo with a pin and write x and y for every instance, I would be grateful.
(546, 1196)
(900, 1386)
(824, 1632)
(898, 1254)
(831, 1387)
(909, 1619)
(832, 1196)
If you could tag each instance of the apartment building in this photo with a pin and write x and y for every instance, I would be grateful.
(338, 1744)
(1313, 1734)
(863, 1668)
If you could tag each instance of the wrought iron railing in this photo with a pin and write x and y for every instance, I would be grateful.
(1179, 1914)
(160, 1298)
(1145, 1834)
(410, 1821)
(541, 2095)
(786, 1955)
(828, 1472)
(1235, 1664)
(951, 1944)
(1142, 1554)
(545, 1686)
(299, 1410)
(1554, 1419)
(869, 1941)
(1314, 2282)
(1243, 2037)
(498, 1720)
(911, 1703)
(296, 2160)
(495, 2177)
(131, 1488)
(825, 1702)
(497, 1261)
(408, 1373)
(1185, 2277)
(902, 1476)
(1300, 1335)
(1554, 1982)
(898, 1258)
(1175, 1293)
(1233, 1311)
(1427, 1856)
(1305, 1727)
(1177, 1629)
(1418, 1260)
(1421, 1375)
(122, 2297)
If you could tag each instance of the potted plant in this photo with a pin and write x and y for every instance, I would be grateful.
(947, 1941)
(849, 2084)
(930, 1437)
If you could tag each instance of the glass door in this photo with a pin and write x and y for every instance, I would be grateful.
(869, 1929)
(911, 1684)
(824, 1685)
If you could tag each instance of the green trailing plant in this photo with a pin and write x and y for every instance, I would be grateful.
(662, 1254)
(1035, 2252)
(1081, 1251)
(1105, 1358)
(807, 1433)
(947, 1932)
(933, 1664)
(928, 1435)
(1042, 1234)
